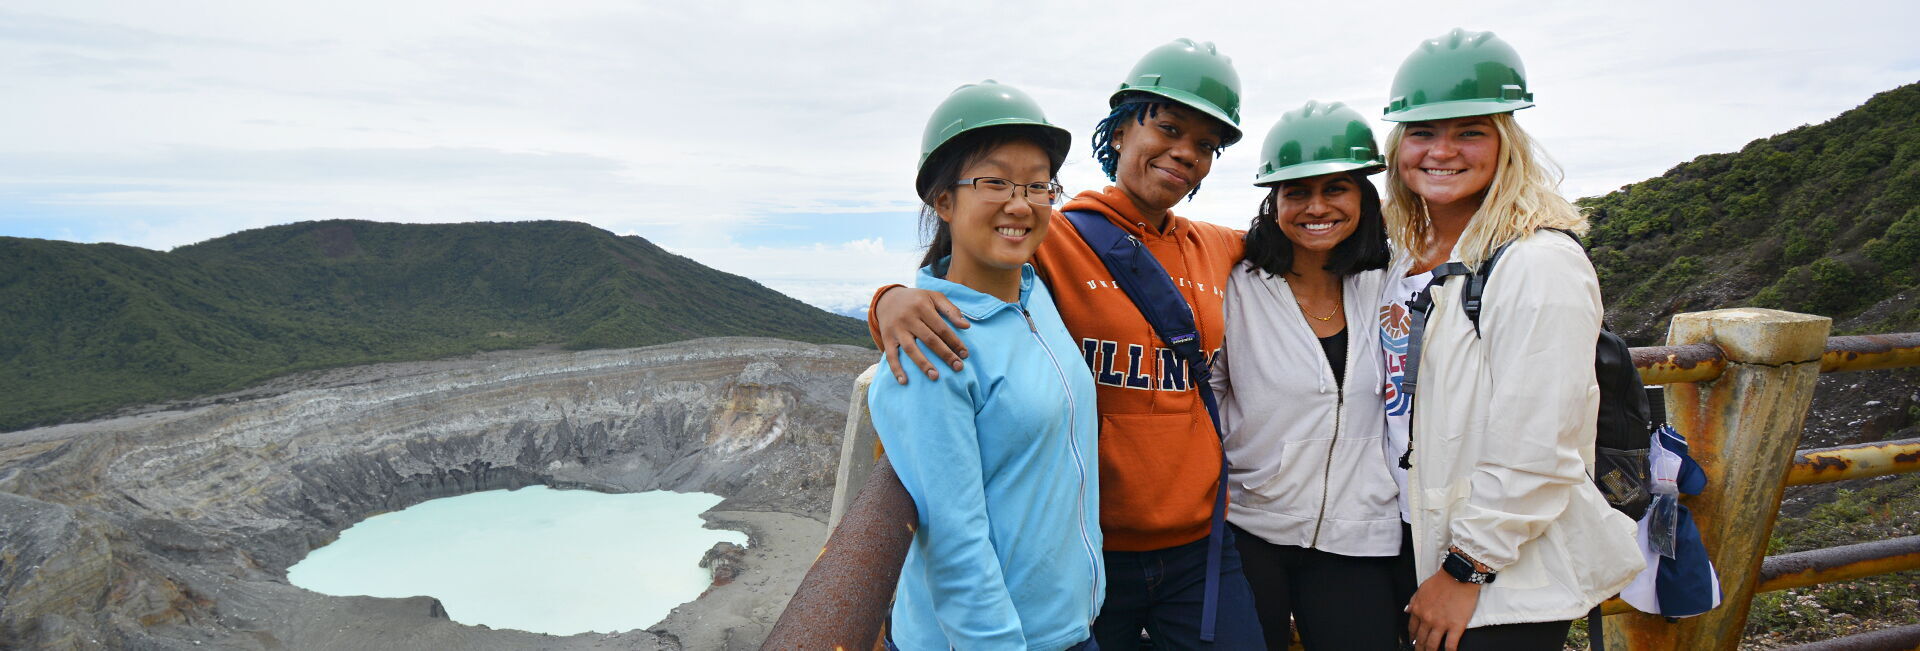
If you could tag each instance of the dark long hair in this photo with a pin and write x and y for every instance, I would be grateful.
(944, 169)
(1269, 249)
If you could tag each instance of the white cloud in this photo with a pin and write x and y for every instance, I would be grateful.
(839, 278)
(690, 122)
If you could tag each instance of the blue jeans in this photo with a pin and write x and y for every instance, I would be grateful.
(1161, 592)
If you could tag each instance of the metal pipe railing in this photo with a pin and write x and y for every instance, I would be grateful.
(1871, 352)
(1854, 462)
(1676, 364)
(1704, 362)
(842, 603)
(1742, 388)
(1826, 565)
(1842, 563)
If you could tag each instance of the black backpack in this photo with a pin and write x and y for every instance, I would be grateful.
(1629, 410)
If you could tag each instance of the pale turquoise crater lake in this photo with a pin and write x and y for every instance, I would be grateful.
(533, 559)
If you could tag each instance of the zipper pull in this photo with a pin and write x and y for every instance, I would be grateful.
(1030, 326)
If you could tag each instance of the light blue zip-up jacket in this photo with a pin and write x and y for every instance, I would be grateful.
(1001, 464)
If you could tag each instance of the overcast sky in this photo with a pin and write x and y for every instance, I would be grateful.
(777, 140)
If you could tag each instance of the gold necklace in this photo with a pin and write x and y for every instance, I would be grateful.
(1310, 315)
(1328, 317)
(1302, 304)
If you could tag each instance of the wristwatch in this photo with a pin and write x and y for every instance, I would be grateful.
(1464, 569)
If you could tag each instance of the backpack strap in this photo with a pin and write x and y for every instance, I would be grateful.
(1148, 285)
(1477, 283)
(1470, 296)
(1421, 307)
(1152, 291)
(1418, 310)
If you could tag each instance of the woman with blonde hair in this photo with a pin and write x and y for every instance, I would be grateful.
(1511, 539)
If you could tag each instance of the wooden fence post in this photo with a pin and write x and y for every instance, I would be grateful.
(856, 450)
(1743, 428)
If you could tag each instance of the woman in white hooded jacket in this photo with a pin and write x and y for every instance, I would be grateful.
(1299, 378)
(1511, 539)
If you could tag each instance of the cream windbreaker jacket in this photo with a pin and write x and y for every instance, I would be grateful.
(1308, 467)
(1503, 431)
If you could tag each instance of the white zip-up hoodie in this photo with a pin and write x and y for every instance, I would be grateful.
(1503, 431)
(1307, 463)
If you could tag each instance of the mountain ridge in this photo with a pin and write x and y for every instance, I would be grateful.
(1821, 219)
(94, 327)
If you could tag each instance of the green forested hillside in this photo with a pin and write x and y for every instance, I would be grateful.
(91, 327)
(1823, 219)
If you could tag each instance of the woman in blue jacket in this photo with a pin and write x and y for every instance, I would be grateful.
(999, 457)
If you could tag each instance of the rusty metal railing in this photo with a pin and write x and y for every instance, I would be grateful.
(1744, 426)
(1704, 362)
(842, 603)
(1676, 364)
(1854, 462)
(1842, 563)
(1742, 379)
(1871, 352)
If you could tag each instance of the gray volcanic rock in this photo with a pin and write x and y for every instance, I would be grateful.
(174, 530)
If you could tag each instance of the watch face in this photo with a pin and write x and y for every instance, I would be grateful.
(1462, 570)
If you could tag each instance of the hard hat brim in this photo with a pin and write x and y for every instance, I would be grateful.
(1188, 100)
(1455, 109)
(1059, 143)
(1318, 168)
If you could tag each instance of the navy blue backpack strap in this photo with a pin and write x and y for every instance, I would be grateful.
(1418, 310)
(1143, 279)
(1138, 274)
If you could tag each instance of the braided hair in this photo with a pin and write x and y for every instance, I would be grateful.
(1136, 107)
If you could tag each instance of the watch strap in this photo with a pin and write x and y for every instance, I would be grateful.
(1464, 569)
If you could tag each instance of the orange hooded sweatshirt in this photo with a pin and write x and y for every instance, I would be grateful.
(1159, 454)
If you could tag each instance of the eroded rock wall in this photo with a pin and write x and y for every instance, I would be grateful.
(168, 529)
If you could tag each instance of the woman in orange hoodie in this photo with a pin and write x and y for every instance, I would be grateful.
(1160, 458)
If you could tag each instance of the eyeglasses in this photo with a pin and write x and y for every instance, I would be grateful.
(1000, 190)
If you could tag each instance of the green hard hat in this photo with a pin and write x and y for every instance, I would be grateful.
(985, 104)
(1459, 74)
(1194, 74)
(1318, 139)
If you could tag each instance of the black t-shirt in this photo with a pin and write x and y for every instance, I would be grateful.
(1335, 346)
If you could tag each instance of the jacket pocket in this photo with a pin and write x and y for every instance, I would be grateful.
(1360, 488)
(1294, 488)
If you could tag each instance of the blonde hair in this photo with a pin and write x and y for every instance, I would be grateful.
(1523, 197)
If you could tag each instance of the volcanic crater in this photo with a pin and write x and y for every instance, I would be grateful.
(173, 528)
